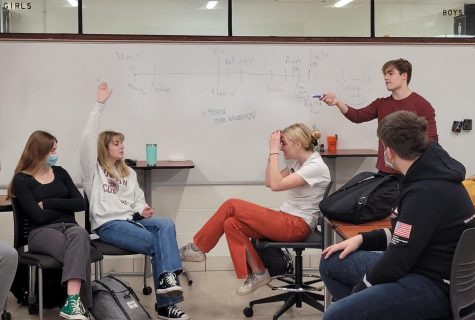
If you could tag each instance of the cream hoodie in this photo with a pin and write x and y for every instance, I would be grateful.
(109, 198)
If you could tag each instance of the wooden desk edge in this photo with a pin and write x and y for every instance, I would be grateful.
(5, 205)
(165, 164)
(347, 230)
(350, 153)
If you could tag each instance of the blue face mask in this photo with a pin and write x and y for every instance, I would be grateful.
(52, 159)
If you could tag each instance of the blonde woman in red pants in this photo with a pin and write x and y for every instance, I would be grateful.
(305, 176)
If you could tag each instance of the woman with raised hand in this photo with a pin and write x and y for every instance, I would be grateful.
(48, 195)
(119, 214)
(305, 176)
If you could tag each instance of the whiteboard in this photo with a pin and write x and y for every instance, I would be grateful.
(216, 103)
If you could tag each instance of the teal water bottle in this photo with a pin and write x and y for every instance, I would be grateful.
(151, 152)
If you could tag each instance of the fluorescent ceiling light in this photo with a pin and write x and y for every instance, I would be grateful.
(211, 4)
(342, 3)
(73, 3)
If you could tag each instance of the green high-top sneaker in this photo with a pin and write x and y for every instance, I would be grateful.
(73, 309)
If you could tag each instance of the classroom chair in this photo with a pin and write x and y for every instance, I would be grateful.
(296, 291)
(462, 278)
(36, 262)
(108, 249)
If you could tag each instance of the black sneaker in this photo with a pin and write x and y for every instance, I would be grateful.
(172, 312)
(168, 285)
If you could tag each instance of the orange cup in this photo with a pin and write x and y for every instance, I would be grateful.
(331, 143)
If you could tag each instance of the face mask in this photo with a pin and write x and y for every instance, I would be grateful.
(387, 162)
(52, 159)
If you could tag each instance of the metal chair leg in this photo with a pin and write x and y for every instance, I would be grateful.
(40, 292)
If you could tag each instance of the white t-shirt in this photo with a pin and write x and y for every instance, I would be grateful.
(303, 201)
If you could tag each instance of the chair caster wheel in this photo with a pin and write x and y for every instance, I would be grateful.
(147, 290)
(248, 312)
(33, 309)
(6, 316)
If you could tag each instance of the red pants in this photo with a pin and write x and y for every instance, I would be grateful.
(241, 220)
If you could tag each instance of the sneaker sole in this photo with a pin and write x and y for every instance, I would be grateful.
(257, 286)
(67, 316)
(187, 317)
(170, 292)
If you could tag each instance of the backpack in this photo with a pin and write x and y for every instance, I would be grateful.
(368, 196)
(113, 299)
(278, 261)
(54, 294)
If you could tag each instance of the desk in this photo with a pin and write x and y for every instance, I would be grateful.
(5, 205)
(344, 153)
(347, 230)
(160, 165)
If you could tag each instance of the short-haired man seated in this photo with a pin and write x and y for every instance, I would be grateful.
(410, 278)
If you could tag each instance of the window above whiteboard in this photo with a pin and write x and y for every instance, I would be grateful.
(254, 18)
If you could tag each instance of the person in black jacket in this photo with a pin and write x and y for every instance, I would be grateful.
(410, 278)
(48, 195)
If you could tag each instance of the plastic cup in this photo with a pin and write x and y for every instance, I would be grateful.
(151, 151)
(331, 143)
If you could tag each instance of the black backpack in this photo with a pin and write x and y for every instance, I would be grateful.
(368, 196)
(277, 261)
(54, 294)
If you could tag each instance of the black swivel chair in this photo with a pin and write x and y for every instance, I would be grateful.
(111, 250)
(296, 291)
(462, 278)
(36, 262)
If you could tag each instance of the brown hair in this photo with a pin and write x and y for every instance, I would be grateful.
(405, 133)
(36, 150)
(118, 169)
(299, 132)
(401, 65)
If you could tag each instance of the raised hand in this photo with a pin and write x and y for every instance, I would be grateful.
(103, 92)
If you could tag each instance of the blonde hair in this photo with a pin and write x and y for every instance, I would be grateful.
(36, 150)
(117, 169)
(299, 132)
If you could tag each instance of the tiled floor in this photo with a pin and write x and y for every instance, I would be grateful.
(212, 296)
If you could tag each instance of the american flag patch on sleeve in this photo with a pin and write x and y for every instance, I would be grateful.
(402, 230)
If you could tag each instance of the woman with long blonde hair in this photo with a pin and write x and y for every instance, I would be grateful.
(119, 213)
(48, 195)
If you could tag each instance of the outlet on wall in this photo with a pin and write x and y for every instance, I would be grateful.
(467, 124)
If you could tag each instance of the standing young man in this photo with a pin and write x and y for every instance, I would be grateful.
(397, 75)
(410, 278)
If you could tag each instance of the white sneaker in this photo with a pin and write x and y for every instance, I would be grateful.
(253, 282)
(189, 255)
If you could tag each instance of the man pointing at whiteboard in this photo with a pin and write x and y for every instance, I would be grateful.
(397, 75)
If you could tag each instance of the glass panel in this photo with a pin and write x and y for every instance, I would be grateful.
(424, 18)
(157, 17)
(47, 16)
(309, 18)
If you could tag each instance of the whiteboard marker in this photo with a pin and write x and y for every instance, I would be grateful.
(318, 96)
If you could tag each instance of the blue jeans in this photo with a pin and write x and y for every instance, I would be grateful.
(155, 237)
(412, 296)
